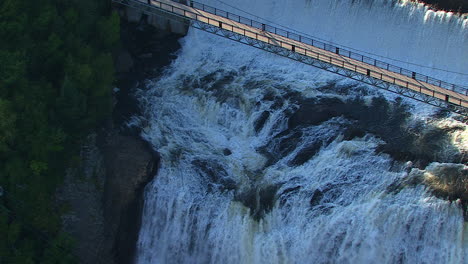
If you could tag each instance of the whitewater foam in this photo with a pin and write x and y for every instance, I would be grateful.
(250, 204)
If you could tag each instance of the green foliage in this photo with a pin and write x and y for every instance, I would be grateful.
(109, 29)
(55, 86)
(7, 126)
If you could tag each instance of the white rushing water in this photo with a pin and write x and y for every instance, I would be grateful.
(239, 183)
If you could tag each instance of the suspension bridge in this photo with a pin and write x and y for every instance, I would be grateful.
(312, 52)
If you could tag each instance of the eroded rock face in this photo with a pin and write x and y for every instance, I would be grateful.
(124, 62)
(447, 180)
(130, 165)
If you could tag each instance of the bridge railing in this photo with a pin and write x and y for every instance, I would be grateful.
(326, 46)
(338, 61)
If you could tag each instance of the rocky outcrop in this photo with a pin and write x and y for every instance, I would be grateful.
(105, 197)
(404, 139)
(104, 193)
(445, 180)
(130, 165)
(130, 162)
(123, 62)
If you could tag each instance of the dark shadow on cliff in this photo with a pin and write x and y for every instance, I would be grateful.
(131, 162)
(145, 52)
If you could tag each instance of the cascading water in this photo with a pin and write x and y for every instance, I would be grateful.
(266, 160)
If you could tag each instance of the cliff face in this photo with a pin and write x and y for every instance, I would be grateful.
(105, 192)
(105, 197)
(130, 165)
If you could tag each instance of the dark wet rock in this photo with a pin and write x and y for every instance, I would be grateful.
(271, 96)
(329, 87)
(448, 180)
(124, 62)
(216, 175)
(130, 164)
(290, 190)
(136, 40)
(356, 90)
(412, 180)
(441, 113)
(106, 205)
(315, 111)
(306, 154)
(287, 142)
(324, 209)
(281, 145)
(227, 152)
(261, 120)
(445, 180)
(190, 82)
(222, 82)
(389, 120)
(286, 194)
(145, 56)
(210, 78)
(260, 201)
(400, 154)
(331, 193)
(353, 132)
(455, 6)
(316, 197)
(422, 145)
(293, 96)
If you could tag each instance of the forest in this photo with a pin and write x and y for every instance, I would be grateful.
(56, 76)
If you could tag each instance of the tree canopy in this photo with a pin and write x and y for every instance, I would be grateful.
(55, 87)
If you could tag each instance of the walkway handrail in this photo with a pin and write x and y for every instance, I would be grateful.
(325, 46)
(279, 43)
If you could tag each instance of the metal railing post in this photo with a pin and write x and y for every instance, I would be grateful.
(327, 49)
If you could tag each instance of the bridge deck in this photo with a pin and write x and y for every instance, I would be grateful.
(312, 51)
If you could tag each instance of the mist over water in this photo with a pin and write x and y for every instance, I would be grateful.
(243, 179)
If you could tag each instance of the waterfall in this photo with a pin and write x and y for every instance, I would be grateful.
(401, 33)
(246, 178)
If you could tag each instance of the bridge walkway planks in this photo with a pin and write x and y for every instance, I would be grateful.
(311, 51)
